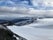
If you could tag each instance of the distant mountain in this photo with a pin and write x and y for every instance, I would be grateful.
(18, 21)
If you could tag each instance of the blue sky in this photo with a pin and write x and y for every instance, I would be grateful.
(36, 4)
(37, 7)
(15, 2)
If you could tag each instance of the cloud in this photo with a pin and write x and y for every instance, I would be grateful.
(42, 4)
(29, 11)
(37, 4)
(13, 9)
(21, 8)
(13, 3)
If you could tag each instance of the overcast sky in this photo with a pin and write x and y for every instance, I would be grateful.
(27, 6)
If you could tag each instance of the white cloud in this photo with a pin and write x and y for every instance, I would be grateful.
(44, 2)
(40, 4)
(32, 11)
(29, 11)
(13, 9)
(24, 2)
(7, 2)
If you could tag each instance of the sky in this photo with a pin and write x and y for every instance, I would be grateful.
(27, 6)
(36, 4)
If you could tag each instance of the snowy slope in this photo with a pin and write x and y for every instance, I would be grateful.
(40, 30)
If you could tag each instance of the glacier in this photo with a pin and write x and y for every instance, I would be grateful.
(40, 29)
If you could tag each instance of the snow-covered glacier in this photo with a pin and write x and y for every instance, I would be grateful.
(39, 29)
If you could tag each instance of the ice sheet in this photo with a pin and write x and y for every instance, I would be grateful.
(35, 31)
